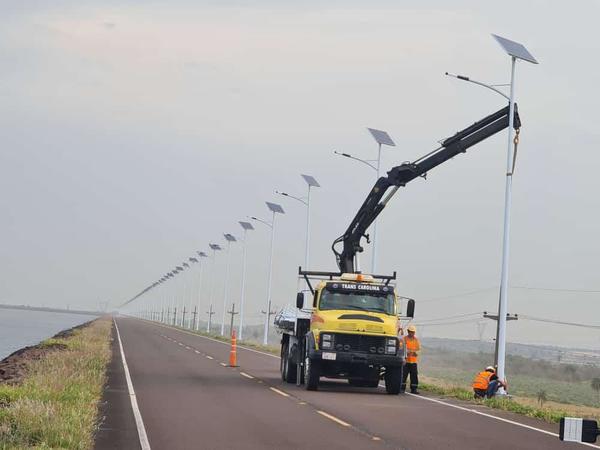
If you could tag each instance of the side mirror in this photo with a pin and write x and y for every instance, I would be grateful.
(410, 308)
(300, 300)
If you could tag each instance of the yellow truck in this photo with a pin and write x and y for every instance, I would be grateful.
(349, 328)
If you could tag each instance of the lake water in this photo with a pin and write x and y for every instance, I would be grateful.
(20, 329)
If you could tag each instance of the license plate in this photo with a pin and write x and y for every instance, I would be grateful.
(329, 356)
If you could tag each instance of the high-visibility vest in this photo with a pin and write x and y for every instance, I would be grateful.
(412, 346)
(482, 380)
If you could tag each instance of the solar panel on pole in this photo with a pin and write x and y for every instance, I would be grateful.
(381, 137)
(275, 207)
(515, 49)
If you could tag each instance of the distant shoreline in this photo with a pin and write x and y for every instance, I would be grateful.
(52, 310)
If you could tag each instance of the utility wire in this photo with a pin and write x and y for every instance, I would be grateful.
(584, 291)
(558, 322)
(451, 317)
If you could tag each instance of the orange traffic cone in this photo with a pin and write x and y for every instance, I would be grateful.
(233, 351)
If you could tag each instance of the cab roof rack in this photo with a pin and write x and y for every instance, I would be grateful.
(311, 274)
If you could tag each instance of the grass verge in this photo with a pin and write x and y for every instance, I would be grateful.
(551, 412)
(56, 404)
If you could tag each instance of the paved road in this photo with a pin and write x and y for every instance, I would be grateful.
(190, 399)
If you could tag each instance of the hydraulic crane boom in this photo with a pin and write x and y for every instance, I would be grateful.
(408, 171)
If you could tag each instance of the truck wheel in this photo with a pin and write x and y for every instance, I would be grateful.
(288, 368)
(393, 380)
(312, 373)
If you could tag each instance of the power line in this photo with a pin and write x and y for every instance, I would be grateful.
(451, 317)
(427, 324)
(583, 291)
(464, 294)
(559, 322)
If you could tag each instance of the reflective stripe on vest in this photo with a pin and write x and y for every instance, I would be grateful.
(482, 380)
(412, 345)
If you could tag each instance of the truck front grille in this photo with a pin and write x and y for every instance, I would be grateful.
(359, 343)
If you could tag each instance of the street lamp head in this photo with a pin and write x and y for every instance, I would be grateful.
(214, 246)
(246, 225)
(515, 49)
(185, 264)
(202, 254)
(179, 268)
(310, 180)
(229, 237)
(381, 137)
(274, 207)
(192, 259)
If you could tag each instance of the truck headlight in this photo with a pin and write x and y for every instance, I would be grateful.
(390, 346)
(326, 341)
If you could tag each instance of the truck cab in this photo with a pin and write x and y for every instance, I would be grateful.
(349, 331)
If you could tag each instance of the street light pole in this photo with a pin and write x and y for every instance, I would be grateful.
(515, 51)
(311, 182)
(201, 255)
(274, 208)
(382, 138)
(246, 226)
(229, 238)
(214, 248)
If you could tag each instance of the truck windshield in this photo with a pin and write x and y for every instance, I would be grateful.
(357, 301)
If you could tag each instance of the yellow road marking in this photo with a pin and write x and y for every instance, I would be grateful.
(335, 419)
(244, 374)
(279, 392)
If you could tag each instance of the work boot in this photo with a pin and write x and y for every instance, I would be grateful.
(414, 391)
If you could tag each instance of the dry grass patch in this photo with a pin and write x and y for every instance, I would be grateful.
(56, 404)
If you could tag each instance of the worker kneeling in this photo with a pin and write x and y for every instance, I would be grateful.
(486, 383)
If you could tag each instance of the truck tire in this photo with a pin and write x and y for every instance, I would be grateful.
(288, 368)
(312, 373)
(393, 380)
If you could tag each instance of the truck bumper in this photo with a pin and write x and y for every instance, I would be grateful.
(356, 358)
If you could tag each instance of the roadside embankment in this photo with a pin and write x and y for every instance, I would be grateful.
(49, 393)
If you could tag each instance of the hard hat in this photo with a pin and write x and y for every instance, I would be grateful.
(412, 328)
(490, 369)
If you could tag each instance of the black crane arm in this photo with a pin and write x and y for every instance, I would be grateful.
(408, 171)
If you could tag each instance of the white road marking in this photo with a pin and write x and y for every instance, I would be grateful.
(285, 394)
(223, 364)
(209, 357)
(197, 351)
(187, 348)
(335, 419)
(501, 419)
(244, 374)
(139, 423)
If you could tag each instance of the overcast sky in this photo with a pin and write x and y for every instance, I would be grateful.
(135, 133)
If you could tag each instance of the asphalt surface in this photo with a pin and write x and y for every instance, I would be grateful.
(190, 399)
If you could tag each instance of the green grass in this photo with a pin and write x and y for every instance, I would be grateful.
(551, 415)
(56, 405)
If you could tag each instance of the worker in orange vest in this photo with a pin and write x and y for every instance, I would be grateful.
(413, 347)
(486, 383)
